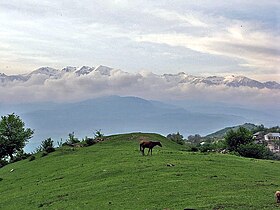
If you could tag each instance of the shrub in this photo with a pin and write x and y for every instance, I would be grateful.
(207, 147)
(72, 139)
(254, 151)
(178, 138)
(50, 149)
(98, 134)
(89, 141)
(47, 145)
(20, 155)
(44, 154)
(3, 163)
(234, 139)
(194, 149)
(32, 157)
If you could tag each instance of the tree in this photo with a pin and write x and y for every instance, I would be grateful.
(252, 150)
(236, 138)
(47, 145)
(196, 139)
(178, 138)
(13, 135)
(98, 134)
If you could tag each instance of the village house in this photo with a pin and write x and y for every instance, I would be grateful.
(271, 139)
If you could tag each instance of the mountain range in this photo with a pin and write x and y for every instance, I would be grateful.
(115, 114)
(180, 78)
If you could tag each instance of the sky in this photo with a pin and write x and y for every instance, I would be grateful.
(203, 37)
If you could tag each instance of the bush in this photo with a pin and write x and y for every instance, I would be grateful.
(3, 163)
(20, 155)
(194, 149)
(255, 151)
(178, 138)
(90, 141)
(234, 139)
(47, 145)
(72, 139)
(98, 134)
(207, 147)
(50, 149)
(32, 157)
(44, 154)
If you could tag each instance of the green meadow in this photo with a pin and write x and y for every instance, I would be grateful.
(114, 175)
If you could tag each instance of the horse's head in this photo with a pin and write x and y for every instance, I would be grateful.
(159, 144)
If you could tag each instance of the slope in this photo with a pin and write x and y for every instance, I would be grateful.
(221, 133)
(114, 175)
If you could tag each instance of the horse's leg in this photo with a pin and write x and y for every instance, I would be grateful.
(151, 151)
(143, 151)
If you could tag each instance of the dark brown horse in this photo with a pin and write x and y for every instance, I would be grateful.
(150, 145)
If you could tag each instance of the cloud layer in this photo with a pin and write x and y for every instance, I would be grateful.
(105, 81)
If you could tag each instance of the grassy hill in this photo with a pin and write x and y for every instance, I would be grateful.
(114, 175)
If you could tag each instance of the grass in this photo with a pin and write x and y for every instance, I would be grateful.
(114, 175)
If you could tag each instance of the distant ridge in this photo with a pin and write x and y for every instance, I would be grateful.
(221, 133)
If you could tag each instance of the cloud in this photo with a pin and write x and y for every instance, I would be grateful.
(69, 88)
(187, 19)
(253, 48)
(204, 36)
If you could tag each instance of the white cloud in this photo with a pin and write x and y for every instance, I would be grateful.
(188, 19)
(257, 49)
(113, 32)
(143, 84)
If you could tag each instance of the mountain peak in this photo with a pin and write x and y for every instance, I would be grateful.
(45, 70)
(84, 70)
(103, 70)
(69, 69)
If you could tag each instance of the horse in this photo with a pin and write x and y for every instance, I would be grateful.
(150, 145)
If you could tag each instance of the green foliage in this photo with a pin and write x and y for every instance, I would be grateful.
(20, 155)
(98, 134)
(89, 141)
(277, 142)
(196, 139)
(44, 154)
(13, 135)
(236, 138)
(212, 146)
(178, 138)
(275, 129)
(72, 139)
(252, 150)
(3, 163)
(32, 157)
(47, 145)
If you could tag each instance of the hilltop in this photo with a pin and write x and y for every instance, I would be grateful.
(221, 133)
(114, 175)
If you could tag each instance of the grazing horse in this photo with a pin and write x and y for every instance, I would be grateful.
(277, 196)
(148, 144)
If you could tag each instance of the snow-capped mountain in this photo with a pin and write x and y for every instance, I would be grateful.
(84, 70)
(174, 79)
(103, 70)
(4, 79)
